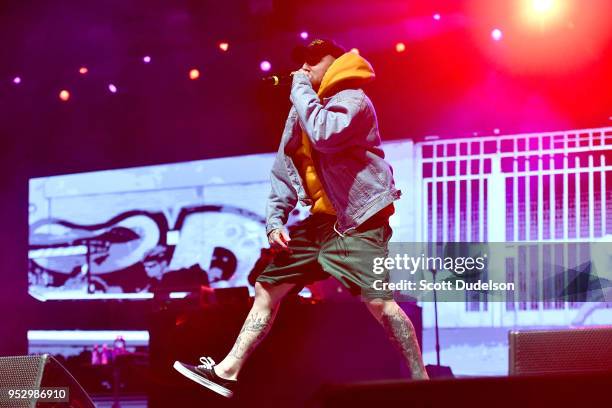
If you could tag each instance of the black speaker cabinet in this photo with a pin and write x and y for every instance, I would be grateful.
(578, 350)
(525, 391)
(21, 376)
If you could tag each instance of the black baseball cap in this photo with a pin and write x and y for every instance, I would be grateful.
(315, 51)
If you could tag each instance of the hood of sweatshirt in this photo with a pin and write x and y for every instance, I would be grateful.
(350, 70)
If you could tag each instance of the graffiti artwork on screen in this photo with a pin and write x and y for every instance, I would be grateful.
(214, 245)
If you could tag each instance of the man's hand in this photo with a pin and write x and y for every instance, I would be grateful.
(303, 71)
(279, 238)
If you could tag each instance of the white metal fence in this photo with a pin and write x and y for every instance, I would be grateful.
(552, 187)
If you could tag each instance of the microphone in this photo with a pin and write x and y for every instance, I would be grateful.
(278, 80)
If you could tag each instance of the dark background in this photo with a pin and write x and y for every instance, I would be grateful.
(452, 81)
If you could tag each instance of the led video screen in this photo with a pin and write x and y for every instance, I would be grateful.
(126, 233)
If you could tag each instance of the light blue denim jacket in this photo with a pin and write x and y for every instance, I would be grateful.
(346, 153)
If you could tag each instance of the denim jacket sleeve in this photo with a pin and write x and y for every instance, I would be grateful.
(283, 197)
(327, 126)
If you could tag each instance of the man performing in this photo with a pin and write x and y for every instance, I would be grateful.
(329, 158)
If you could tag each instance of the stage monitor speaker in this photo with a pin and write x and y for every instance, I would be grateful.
(439, 371)
(20, 374)
(560, 351)
(525, 391)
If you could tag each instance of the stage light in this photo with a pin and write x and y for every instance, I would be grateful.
(355, 51)
(194, 74)
(112, 88)
(543, 38)
(64, 95)
(542, 14)
(265, 66)
(436, 16)
(17, 80)
(542, 6)
(223, 46)
(304, 35)
(146, 59)
(400, 47)
(83, 70)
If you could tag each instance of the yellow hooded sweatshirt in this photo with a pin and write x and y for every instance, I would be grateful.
(347, 70)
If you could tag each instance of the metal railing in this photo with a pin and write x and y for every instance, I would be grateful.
(540, 187)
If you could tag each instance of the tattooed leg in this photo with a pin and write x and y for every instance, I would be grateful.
(254, 329)
(256, 326)
(401, 332)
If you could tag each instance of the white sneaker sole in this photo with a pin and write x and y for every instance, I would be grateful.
(219, 389)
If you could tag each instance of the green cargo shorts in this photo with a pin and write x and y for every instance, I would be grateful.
(318, 252)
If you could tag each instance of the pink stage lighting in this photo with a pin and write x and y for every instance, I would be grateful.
(543, 36)
(265, 66)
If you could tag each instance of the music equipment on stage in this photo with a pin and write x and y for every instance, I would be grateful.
(21, 376)
(277, 80)
(560, 351)
(555, 390)
(437, 370)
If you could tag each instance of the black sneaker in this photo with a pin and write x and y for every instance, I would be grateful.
(205, 375)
